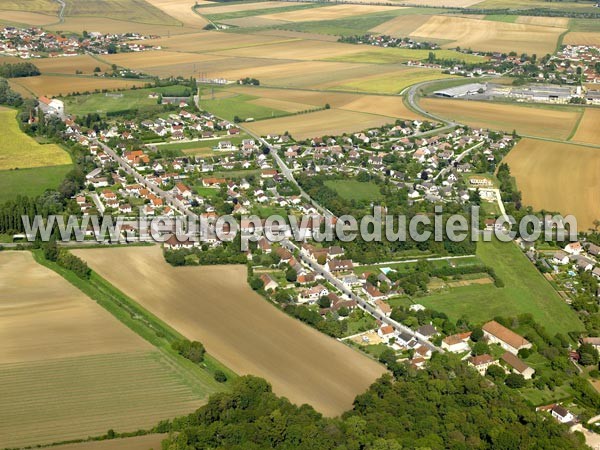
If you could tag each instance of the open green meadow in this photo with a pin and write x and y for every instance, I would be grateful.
(18, 150)
(31, 182)
(354, 190)
(392, 83)
(103, 103)
(525, 291)
(239, 105)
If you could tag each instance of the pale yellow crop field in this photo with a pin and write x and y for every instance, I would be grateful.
(544, 173)
(55, 85)
(106, 25)
(320, 123)
(326, 13)
(69, 369)
(160, 58)
(180, 10)
(241, 7)
(215, 305)
(560, 22)
(386, 105)
(526, 120)
(26, 17)
(589, 128)
(489, 35)
(582, 38)
(212, 41)
(297, 49)
(68, 66)
(401, 26)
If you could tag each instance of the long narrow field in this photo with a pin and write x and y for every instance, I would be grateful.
(490, 35)
(26, 18)
(69, 370)
(588, 130)
(31, 182)
(18, 150)
(546, 173)
(528, 120)
(58, 85)
(215, 305)
(326, 13)
(126, 10)
(146, 442)
(68, 66)
(328, 122)
(525, 291)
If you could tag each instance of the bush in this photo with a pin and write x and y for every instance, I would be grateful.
(192, 350)
(515, 381)
(220, 376)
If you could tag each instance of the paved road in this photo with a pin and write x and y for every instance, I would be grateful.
(375, 312)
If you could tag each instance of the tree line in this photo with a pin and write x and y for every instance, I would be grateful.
(19, 70)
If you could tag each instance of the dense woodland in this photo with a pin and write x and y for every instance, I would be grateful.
(445, 406)
(17, 70)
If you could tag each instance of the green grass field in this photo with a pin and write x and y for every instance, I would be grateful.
(525, 291)
(396, 55)
(508, 18)
(387, 84)
(350, 26)
(239, 105)
(118, 101)
(18, 150)
(256, 12)
(354, 190)
(30, 182)
(70, 398)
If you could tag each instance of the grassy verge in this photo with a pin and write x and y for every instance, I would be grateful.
(143, 323)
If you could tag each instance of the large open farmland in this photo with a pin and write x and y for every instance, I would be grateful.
(391, 83)
(26, 18)
(544, 174)
(68, 66)
(18, 150)
(490, 35)
(320, 123)
(57, 85)
(42, 6)
(525, 291)
(326, 13)
(180, 10)
(401, 26)
(219, 8)
(126, 10)
(215, 305)
(582, 38)
(551, 122)
(68, 369)
(588, 130)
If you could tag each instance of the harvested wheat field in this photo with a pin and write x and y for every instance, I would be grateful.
(386, 105)
(241, 7)
(315, 98)
(544, 174)
(149, 441)
(401, 26)
(582, 38)
(489, 35)
(442, 3)
(533, 121)
(180, 10)
(159, 58)
(212, 41)
(215, 305)
(560, 22)
(27, 18)
(68, 369)
(588, 130)
(106, 25)
(327, 13)
(298, 50)
(56, 85)
(321, 123)
(68, 66)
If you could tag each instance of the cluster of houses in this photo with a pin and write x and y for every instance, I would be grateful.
(37, 43)
(584, 57)
(389, 41)
(581, 256)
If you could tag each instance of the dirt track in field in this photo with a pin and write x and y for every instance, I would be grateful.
(215, 305)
